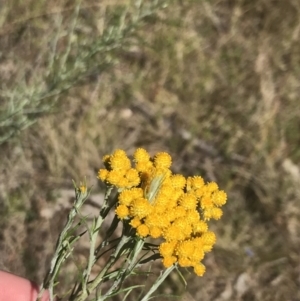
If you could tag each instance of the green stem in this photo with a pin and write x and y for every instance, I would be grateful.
(93, 233)
(60, 254)
(158, 282)
(125, 271)
(92, 257)
(97, 281)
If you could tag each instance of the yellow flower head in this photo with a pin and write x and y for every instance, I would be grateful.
(199, 269)
(142, 230)
(188, 201)
(122, 211)
(178, 211)
(184, 262)
(216, 213)
(178, 181)
(82, 188)
(200, 192)
(185, 249)
(162, 160)
(167, 249)
(192, 216)
(206, 202)
(102, 174)
(155, 232)
(120, 161)
(194, 183)
(173, 233)
(197, 255)
(212, 187)
(132, 176)
(115, 177)
(209, 238)
(219, 198)
(126, 196)
(135, 222)
(156, 219)
(200, 227)
(162, 199)
(169, 261)
(144, 166)
(140, 208)
(141, 155)
(184, 227)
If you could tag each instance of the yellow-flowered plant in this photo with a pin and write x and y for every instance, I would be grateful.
(160, 204)
(150, 201)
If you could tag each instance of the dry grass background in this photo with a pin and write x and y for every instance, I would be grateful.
(215, 83)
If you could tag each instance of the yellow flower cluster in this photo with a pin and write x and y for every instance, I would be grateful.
(158, 203)
(118, 171)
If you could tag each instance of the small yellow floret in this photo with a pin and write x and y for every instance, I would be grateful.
(82, 188)
(137, 192)
(199, 269)
(185, 227)
(197, 255)
(119, 163)
(154, 219)
(206, 202)
(178, 181)
(167, 249)
(114, 177)
(184, 262)
(119, 160)
(126, 197)
(188, 201)
(200, 192)
(212, 187)
(219, 198)
(166, 189)
(161, 201)
(207, 214)
(102, 174)
(122, 211)
(200, 227)
(143, 166)
(185, 249)
(216, 213)
(140, 208)
(141, 155)
(195, 182)
(142, 230)
(135, 222)
(209, 238)
(119, 153)
(177, 194)
(132, 176)
(155, 232)
(162, 160)
(169, 261)
(123, 183)
(207, 248)
(173, 233)
(192, 216)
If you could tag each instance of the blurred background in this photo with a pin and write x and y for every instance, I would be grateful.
(215, 83)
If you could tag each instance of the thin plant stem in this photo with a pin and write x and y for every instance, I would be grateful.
(163, 275)
(125, 272)
(61, 253)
